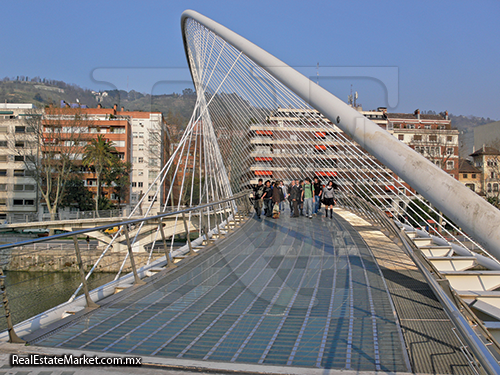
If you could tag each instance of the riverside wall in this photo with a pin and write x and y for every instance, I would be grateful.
(64, 260)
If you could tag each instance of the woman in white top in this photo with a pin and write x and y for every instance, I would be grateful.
(329, 199)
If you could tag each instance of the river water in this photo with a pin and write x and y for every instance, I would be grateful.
(31, 293)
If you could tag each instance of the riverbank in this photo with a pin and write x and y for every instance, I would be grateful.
(64, 260)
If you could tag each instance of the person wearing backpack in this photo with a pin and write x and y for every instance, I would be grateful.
(308, 196)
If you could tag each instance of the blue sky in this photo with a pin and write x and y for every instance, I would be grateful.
(446, 53)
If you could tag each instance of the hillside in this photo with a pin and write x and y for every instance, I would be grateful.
(177, 108)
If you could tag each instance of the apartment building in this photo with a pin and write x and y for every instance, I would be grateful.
(470, 176)
(18, 193)
(430, 135)
(487, 159)
(66, 131)
(150, 149)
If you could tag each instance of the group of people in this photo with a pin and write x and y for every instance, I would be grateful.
(304, 197)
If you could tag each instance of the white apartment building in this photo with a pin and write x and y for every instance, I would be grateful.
(148, 148)
(18, 193)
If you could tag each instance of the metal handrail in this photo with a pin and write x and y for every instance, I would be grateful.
(122, 223)
(481, 353)
(209, 208)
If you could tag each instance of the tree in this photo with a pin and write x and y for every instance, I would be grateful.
(49, 142)
(98, 155)
(118, 178)
(77, 195)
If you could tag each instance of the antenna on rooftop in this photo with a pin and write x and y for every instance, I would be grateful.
(350, 98)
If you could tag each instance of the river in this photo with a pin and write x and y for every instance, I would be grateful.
(31, 293)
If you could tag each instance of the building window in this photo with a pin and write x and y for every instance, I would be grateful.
(488, 188)
(141, 134)
(473, 175)
(3, 187)
(492, 175)
(20, 129)
(134, 184)
(449, 138)
(3, 143)
(135, 135)
(140, 160)
(449, 151)
(401, 137)
(140, 184)
(427, 126)
(18, 202)
(465, 175)
(495, 187)
(18, 172)
(471, 186)
(151, 198)
(3, 157)
(411, 126)
(119, 143)
(450, 164)
(417, 137)
(141, 146)
(433, 138)
(3, 201)
(18, 157)
(140, 173)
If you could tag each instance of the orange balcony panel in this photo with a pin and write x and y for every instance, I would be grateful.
(263, 159)
(320, 147)
(264, 132)
(326, 174)
(390, 187)
(263, 173)
(320, 134)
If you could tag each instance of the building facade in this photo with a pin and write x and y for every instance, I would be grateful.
(18, 193)
(470, 176)
(487, 159)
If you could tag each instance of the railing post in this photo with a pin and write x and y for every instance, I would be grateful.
(191, 251)
(217, 219)
(170, 261)
(138, 281)
(90, 304)
(13, 337)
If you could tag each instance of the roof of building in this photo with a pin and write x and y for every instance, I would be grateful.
(413, 116)
(465, 166)
(486, 151)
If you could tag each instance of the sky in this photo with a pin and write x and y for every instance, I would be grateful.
(430, 55)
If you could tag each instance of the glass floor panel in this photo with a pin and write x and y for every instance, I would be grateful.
(288, 292)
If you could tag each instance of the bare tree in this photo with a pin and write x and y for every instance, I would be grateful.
(50, 143)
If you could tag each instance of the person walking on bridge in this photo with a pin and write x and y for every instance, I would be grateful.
(329, 199)
(308, 195)
(266, 197)
(258, 191)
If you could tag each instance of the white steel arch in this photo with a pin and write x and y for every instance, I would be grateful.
(472, 213)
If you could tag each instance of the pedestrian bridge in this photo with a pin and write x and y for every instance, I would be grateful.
(293, 292)
(368, 290)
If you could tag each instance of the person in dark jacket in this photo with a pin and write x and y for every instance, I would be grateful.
(295, 195)
(276, 199)
(266, 197)
(258, 191)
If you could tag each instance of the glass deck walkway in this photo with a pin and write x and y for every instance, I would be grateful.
(288, 292)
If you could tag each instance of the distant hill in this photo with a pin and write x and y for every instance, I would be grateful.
(177, 108)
